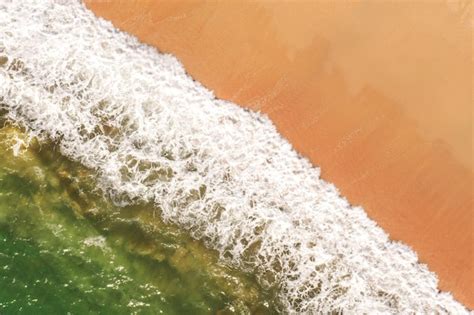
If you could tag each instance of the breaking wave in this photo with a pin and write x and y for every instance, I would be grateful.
(224, 174)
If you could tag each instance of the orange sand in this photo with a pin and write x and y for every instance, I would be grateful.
(377, 94)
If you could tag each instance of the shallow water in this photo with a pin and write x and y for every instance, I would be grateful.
(65, 249)
(151, 133)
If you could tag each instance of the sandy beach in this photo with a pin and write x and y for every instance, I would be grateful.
(378, 95)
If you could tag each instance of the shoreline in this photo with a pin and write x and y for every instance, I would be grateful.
(379, 155)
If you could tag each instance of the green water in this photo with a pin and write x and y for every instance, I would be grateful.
(64, 249)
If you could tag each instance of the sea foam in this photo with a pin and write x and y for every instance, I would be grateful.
(152, 134)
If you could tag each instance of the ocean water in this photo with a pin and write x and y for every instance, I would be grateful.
(148, 134)
(64, 249)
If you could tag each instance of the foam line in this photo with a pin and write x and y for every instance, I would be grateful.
(151, 133)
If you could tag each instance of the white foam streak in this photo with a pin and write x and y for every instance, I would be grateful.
(223, 173)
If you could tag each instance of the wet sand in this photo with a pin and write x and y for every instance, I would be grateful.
(378, 95)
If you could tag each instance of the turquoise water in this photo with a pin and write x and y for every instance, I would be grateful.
(64, 249)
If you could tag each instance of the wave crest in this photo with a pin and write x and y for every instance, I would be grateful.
(223, 173)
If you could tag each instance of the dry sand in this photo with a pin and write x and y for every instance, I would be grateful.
(379, 95)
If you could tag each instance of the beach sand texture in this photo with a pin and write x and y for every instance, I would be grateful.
(379, 95)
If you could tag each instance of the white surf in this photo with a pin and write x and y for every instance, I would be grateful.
(153, 134)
